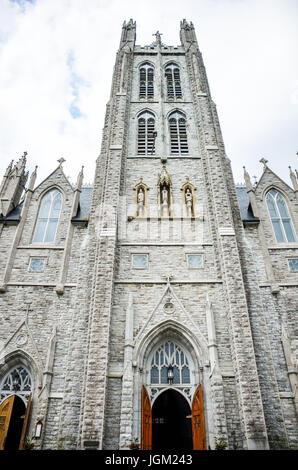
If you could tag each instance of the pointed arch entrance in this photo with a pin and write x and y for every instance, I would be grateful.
(15, 404)
(171, 423)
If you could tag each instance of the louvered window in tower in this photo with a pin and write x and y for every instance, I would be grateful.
(146, 134)
(178, 135)
(173, 82)
(146, 81)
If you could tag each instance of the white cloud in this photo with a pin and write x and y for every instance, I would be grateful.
(51, 106)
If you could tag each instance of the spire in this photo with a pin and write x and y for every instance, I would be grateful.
(247, 180)
(32, 180)
(293, 179)
(187, 33)
(13, 185)
(128, 33)
(80, 180)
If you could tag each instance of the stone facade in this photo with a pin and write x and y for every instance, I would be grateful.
(87, 325)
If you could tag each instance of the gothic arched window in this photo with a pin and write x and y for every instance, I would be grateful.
(172, 73)
(169, 354)
(48, 217)
(146, 81)
(280, 217)
(17, 381)
(146, 134)
(178, 135)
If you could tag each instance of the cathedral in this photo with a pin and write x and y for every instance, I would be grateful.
(158, 308)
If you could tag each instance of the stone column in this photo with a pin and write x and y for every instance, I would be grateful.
(126, 419)
(213, 159)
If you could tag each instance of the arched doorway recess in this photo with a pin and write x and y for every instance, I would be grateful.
(171, 422)
(15, 403)
(172, 404)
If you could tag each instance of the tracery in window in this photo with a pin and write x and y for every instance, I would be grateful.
(178, 135)
(172, 73)
(146, 134)
(280, 217)
(169, 354)
(17, 381)
(48, 217)
(146, 81)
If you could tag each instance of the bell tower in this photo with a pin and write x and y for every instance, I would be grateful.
(165, 263)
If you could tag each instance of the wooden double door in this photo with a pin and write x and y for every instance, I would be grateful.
(171, 423)
(14, 416)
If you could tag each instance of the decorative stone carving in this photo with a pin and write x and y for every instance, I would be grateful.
(169, 307)
(164, 193)
(188, 198)
(141, 198)
(21, 339)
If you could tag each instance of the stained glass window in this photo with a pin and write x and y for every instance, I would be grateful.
(48, 217)
(280, 217)
(293, 264)
(169, 354)
(17, 381)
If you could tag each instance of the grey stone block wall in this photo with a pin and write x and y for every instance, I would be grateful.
(89, 343)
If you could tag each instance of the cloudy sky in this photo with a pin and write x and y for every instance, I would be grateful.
(56, 64)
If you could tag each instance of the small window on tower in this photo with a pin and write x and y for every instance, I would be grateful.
(36, 265)
(293, 265)
(194, 261)
(139, 261)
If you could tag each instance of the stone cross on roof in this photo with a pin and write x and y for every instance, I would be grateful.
(61, 160)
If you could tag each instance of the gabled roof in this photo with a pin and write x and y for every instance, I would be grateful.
(86, 197)
(81, 216)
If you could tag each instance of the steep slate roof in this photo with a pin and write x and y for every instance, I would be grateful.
(84, 204)
(81, 216)
(245, 207)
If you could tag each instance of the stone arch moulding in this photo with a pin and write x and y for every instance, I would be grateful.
(195, 344)
(145, 62)
(178, 111)
(171, 62)
(50, 188)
